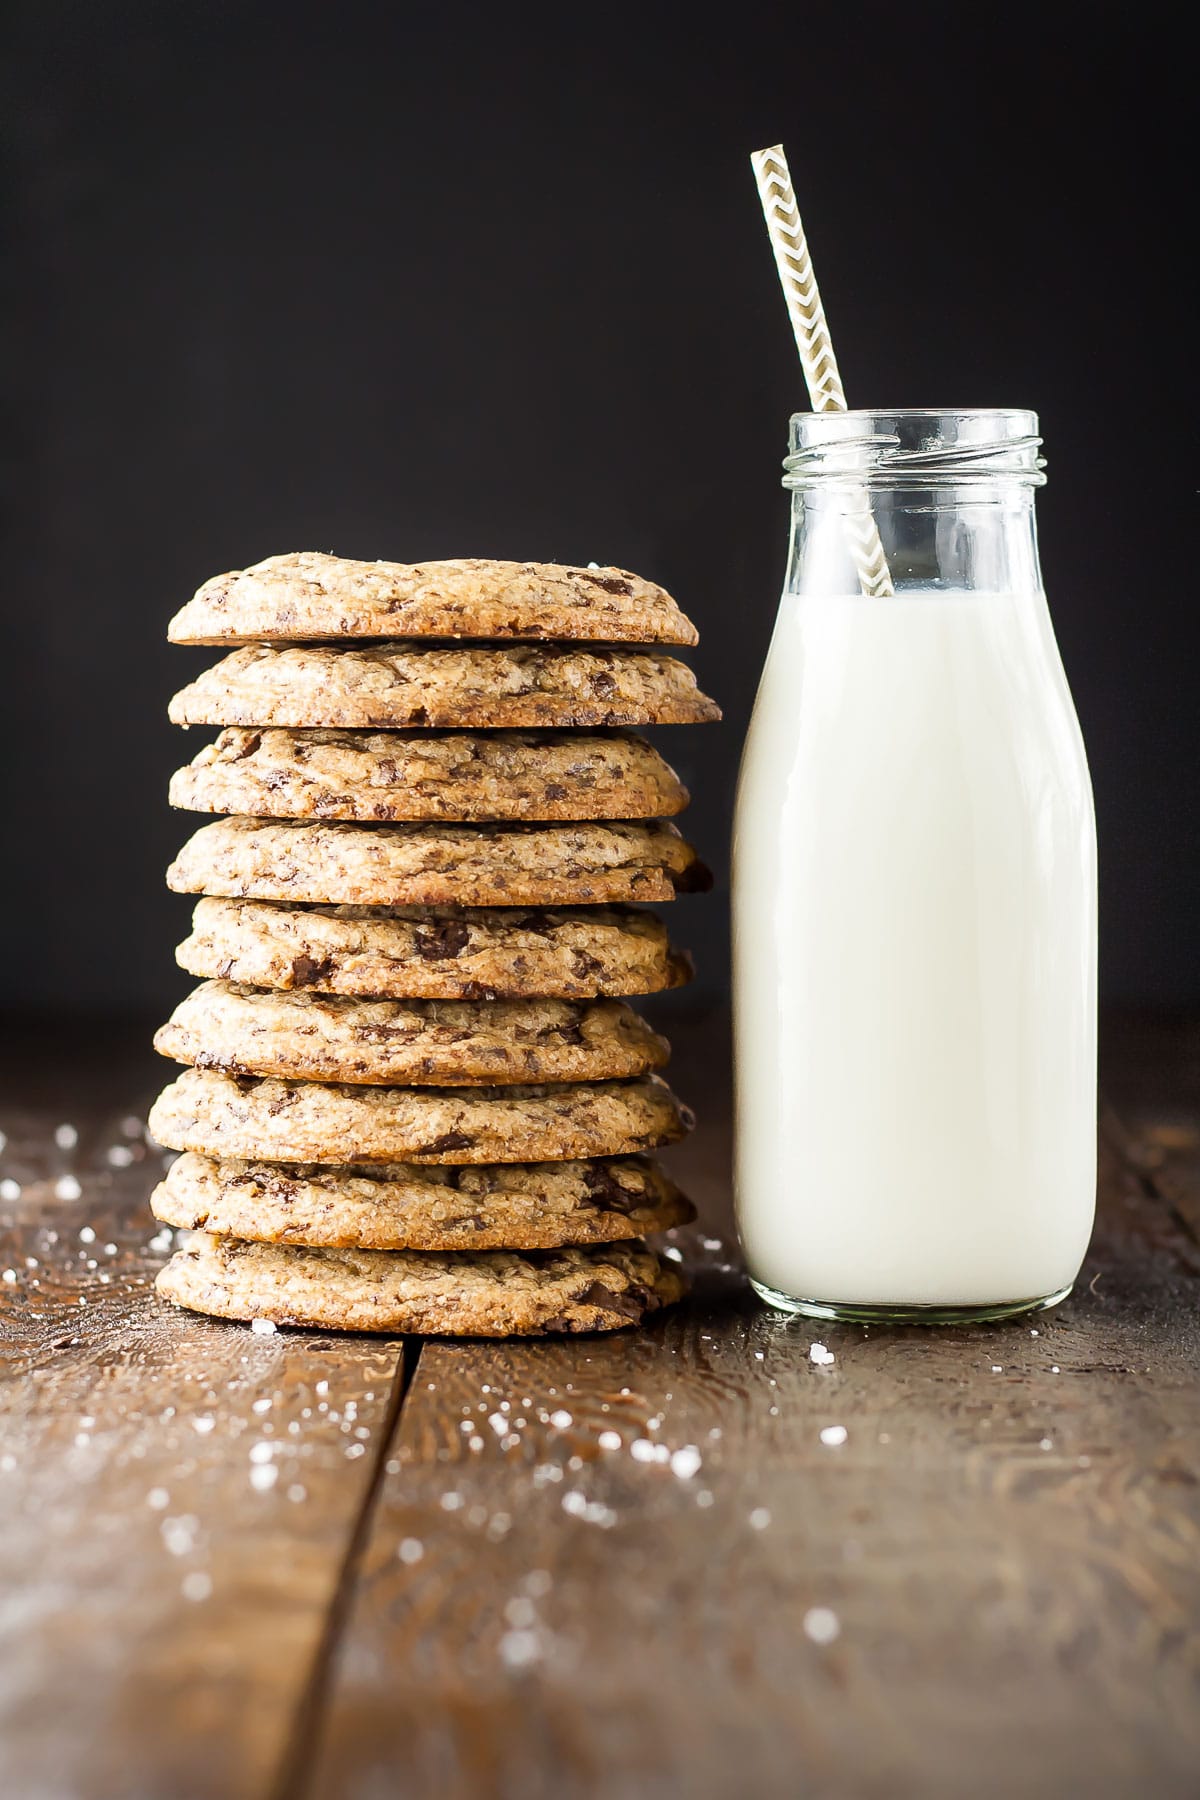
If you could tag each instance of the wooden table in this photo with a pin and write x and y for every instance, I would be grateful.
(241, 1565)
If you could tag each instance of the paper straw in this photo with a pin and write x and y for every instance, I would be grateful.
(814, 343)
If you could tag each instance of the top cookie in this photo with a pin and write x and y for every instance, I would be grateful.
(307, 595)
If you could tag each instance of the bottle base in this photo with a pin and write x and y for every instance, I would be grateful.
(898, 1313)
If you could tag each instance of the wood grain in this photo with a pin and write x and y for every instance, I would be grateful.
(991, 1587)
(1007, 1545)
(165, 1593)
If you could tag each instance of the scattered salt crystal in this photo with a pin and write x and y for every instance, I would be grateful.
(610, 1440)
(821, 1625)
(82, 1440)
(297, 1491)
(203, 1423)
(499, 1525)
(642, 1450)
(1033, 1333)
(263, 1476)
(517, 1648)
(110, 1249)
(66, 1137)
(474, 1443)
(561, 1419)
(161, 1242)
(672, 1253)
(997, 1368)
(760, 1518)
(685, 1462)
(834, 1435)
(704, 1497)
(520, 1611)
(10, 1189)
(8, 1462)
(353, 1450)
(67, 1188)
(411, 1550)
(179, 1534)
(87, 1235)
(758, 1356)
(262, 1452)
(321, 1387)
(591, 1511)
(817, 1353)
(10, 1276)
(196, 1585)
(261, 1406)
(451, 1502)
(593, 565)
(498, 1423)
(538, 1582)
(1054, 1368)
(263, 1327)
(157, 1499)
(119, 1155)
(1046, 1444)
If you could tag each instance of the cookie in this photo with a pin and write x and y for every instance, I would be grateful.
(382, 1206)
(435, 1043)
(459, 687)
(411, 776)
(444, 953)
(307, 595)
(498, 1293)
(436, 865)
(300, 1121)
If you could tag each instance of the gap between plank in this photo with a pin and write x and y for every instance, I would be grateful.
(296, 1761)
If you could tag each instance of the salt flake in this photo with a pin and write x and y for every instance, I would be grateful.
(821, 1625)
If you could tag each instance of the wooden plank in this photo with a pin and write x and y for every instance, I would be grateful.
(177, 1495)
(990, 1587)
(1152, 1078)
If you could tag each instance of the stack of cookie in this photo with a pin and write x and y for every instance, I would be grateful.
(417, 1099)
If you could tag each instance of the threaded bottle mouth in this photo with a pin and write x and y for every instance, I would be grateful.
(915, 447)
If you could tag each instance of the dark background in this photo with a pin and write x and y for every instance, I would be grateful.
(418, 281)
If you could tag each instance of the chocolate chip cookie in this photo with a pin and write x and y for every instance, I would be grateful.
(498, 1293)
(307, 594)
(412, 776)
(434, 953)
(459, 687)
(398, 1206)
(302, 1121)
(436, 1043)
(436, 865)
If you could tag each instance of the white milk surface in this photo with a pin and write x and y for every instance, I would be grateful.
(914, 956)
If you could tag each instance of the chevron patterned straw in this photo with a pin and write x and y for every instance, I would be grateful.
(814, 343)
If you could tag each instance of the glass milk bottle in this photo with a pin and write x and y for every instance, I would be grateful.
(914, 892)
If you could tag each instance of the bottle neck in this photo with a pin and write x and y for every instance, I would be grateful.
(979, 538)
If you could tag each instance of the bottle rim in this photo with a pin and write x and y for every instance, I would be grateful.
(910, 446)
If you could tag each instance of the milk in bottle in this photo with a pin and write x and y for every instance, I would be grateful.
(914, 894)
